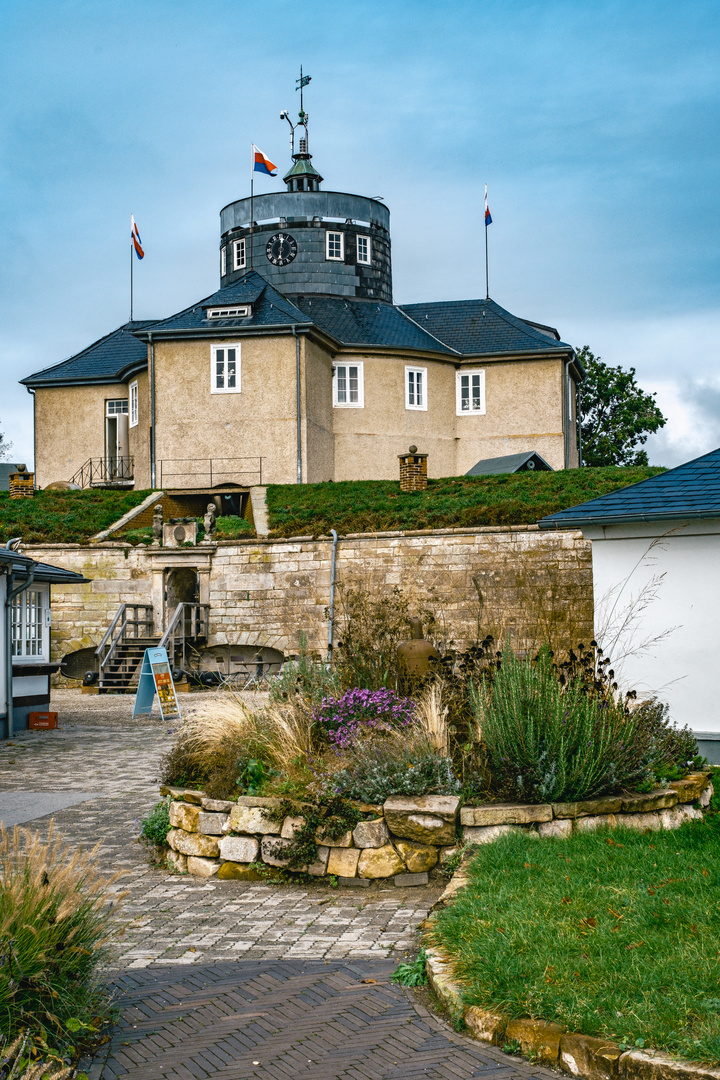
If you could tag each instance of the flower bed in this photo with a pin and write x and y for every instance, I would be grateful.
(406, 838)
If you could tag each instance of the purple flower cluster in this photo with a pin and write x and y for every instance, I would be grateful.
(357, 711)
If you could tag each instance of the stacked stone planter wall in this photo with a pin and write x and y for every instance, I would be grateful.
(406, 838)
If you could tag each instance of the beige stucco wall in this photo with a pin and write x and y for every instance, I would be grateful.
(193, 423)
(70, 428)
(140, 434)
(318, 437)
(368, 440)
(523, 411)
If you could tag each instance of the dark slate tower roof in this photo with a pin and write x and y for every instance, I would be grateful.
(691, 490)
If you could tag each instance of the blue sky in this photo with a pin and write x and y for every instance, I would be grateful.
(595, 127)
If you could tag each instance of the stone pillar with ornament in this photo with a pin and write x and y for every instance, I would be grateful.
(413, 470)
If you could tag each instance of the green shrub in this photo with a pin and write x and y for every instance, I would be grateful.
(413, 973)
(549, 742)
(156, 825)
(233, 528)
(54, 926)
(139, 536)
(406, 765)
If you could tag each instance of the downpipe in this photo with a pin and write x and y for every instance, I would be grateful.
(331, 605)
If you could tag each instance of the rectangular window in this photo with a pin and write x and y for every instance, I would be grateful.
(470, 392)
(240, 312)
(30, 636)
(334, 246)
(223, 261)
(363, 249)
(416, 388)
(348, 390)
(116, 406)
(225, 377)
(239, 254)
(133, 404)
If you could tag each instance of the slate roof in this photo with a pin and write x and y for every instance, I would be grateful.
(691, 490)
(510, 463)
(368, 322)
(455, 328)
(481, 327)
(22, 564)
(105, 361)
(269, 308)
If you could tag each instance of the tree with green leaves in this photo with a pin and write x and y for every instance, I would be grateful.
(616, 415)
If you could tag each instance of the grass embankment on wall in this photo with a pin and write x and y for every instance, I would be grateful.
(63, 517)
(613, 934)
(352, 506)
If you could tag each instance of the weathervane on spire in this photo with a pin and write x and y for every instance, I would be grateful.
(303, 116)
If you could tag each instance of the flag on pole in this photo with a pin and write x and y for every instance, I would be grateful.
(135, 236)
(488, 218)
(262, 163)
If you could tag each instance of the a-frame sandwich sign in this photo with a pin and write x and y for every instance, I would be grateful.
(156, 678)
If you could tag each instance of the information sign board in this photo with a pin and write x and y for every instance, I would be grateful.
(156, 678)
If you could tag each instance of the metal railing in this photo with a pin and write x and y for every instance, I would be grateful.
(125, 626)
(189, 623)
(120, 470)
(209, 472)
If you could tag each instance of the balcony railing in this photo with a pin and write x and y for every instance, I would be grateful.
(174, 473)
(98, 472)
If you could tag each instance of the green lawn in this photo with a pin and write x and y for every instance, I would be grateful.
(63, 517)
(614, 934)
(378, 505)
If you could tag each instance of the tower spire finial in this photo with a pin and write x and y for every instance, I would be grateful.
(303, 176)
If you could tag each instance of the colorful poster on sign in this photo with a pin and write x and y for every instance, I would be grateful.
(156, 678)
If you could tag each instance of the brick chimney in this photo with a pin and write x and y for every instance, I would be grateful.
(413, 470)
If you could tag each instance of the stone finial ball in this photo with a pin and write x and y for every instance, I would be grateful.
(412, 449)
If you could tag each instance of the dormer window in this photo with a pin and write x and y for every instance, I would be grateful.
(240, 312)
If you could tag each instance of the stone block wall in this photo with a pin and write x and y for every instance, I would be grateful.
(406, 838)
(514, 581)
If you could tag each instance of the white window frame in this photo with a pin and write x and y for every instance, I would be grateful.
(332, 233)
(360, 403)
(223, 261)
(31, 625)
(133, 404)
(469, 373)
(368, 260)
(111, 406)
(422, 371)
(239, 254)
(240, 312)
(214, 350)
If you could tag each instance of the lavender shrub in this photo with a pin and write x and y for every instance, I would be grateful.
(344, 720)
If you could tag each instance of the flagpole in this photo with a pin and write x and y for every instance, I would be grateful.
(485, 223)
(252, 196)
(131, 272)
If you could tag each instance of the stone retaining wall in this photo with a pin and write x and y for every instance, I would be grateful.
(504, 580)
(406, 838)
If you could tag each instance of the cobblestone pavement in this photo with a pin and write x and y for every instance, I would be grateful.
(254, 969)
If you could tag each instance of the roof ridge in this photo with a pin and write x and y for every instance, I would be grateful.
(425, 331)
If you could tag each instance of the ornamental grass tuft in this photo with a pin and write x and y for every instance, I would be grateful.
(55, 915)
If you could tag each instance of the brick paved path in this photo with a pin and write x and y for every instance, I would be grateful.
(212, 976)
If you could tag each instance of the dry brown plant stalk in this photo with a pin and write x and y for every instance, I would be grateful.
(432, 716)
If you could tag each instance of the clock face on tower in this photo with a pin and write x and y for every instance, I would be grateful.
(281, 249)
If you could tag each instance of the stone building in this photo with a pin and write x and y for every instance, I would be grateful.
(300, 368)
